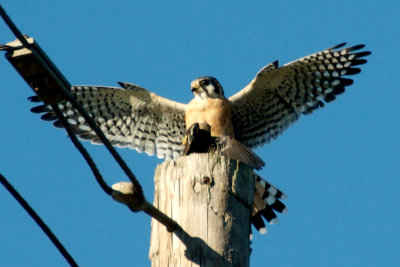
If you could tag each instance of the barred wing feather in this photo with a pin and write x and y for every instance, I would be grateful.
(277, 96)
(129, 117)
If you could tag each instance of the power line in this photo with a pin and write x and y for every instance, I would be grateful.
(38, 221)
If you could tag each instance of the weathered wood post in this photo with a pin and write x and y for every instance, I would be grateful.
(210, 198)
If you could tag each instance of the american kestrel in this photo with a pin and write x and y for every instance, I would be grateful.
(134, 117)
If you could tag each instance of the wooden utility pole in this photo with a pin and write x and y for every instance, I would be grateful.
(210, 198)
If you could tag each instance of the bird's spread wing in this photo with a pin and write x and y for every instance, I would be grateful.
(278, 95)
(129, 117)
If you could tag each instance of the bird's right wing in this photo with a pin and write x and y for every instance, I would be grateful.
(129, 117)
(277, 96)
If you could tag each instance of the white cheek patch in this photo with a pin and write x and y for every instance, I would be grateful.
(212, 91)
(210, 88)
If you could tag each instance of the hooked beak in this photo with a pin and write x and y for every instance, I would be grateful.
(194, 86)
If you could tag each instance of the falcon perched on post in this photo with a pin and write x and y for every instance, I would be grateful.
(133, 117)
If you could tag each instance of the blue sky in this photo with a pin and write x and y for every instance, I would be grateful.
(339, 166)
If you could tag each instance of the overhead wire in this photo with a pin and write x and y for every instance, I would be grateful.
(64, 89)
(38, 221)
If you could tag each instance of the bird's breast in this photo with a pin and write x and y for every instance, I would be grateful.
(215, 112)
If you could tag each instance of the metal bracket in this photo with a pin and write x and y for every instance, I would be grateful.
(37, 69)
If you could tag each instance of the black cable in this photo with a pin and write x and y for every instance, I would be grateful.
(38, 221)
(65, 89)
(82, 150)
(12, 27)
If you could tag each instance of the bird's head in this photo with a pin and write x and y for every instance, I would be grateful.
(206, 87)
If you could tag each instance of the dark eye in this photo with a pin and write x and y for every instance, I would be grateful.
(204, 82)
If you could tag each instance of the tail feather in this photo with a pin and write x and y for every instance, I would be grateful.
(258, 223)
(266, 201)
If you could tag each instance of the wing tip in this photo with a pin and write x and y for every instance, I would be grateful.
(123, 84)
(350, 48)
(130, 86)
(337, 46)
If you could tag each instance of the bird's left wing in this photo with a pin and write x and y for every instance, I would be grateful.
(277, 96)
(129, 117)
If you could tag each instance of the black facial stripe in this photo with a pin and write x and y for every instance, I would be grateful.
(216, 90)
